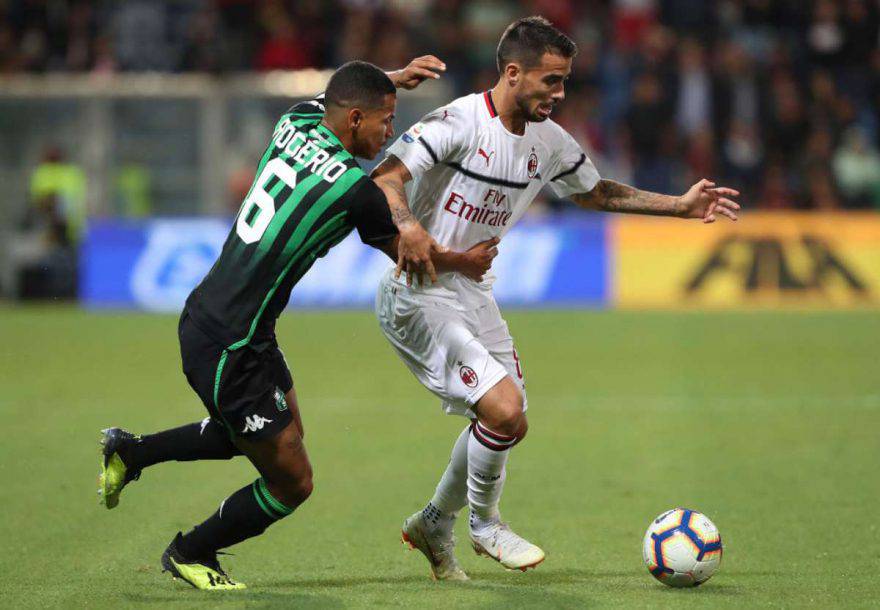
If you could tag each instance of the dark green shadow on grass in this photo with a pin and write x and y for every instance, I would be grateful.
(507, 589)
(258, 596)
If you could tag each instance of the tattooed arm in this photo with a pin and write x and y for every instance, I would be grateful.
(416, 246)
(703, 200)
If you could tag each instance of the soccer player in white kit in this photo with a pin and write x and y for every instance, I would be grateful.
(476, 164)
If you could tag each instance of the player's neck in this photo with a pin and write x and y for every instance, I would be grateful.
(343, 135)
(505, 105)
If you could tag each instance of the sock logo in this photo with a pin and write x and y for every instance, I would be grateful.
(487, 477)
(252, 423)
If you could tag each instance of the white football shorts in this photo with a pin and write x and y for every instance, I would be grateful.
(458, 355)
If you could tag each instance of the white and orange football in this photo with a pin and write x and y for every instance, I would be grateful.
(682, 548)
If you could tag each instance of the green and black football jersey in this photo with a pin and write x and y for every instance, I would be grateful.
(308, 195)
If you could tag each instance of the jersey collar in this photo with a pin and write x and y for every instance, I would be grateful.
(490, 105)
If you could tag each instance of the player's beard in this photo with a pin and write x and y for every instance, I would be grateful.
(532, 115)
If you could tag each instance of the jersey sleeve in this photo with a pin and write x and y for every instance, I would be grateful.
(439, 136)
(576, 172)
(371, 215)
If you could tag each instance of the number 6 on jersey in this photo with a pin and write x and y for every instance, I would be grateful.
(258, 209)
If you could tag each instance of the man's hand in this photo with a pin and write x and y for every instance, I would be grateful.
(705, 200)
(478, 260)
(414, 251)
(418, 70)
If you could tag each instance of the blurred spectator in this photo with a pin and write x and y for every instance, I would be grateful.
(141, 33)
(757, 93)
(42, 254)
(776, 191)
(825, 34)
(857, 168)
(58, 191)
(694, 106)
(286, 44)
(821, 194)
(133, 187)
(742, 156)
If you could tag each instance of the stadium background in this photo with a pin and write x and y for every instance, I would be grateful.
(129, 132)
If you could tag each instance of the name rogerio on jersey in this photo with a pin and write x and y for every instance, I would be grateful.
(492, 211)
(291, 140)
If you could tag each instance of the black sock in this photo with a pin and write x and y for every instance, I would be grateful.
(244, 514)
(204, 440)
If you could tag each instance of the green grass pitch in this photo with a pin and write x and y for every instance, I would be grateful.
(767, 422)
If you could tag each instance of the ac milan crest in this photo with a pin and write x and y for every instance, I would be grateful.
(533, 164)
(468, 376)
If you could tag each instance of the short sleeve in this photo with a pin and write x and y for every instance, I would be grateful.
(576, 172)
(439, 136)
(371, 215)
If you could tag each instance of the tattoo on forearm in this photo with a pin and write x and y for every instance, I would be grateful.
(612, 196)
(388, 179)
(400, 215)
(396, 196)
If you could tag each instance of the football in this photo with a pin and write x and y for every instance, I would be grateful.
(682, 548)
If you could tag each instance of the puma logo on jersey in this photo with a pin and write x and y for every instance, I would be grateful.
(483, 154)
(252, 423)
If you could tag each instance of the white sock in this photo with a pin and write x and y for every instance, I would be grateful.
(487, 455)
(451, 493)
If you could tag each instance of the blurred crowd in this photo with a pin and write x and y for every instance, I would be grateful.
(780, 98)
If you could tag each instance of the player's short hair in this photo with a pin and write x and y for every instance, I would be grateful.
(526, 40)
(360, 84)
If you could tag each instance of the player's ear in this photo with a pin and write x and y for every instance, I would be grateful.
(355, 118)
(512, 73)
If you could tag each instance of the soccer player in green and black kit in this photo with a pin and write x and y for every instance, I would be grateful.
(309, 193)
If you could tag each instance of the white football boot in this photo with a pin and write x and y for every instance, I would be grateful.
(437, 546)
(506, 547)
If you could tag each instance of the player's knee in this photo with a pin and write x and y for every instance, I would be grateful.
(293, 491)
(303, 489)
(523, 429)
(509, 418)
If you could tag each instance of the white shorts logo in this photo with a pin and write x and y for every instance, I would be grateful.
(252, 423)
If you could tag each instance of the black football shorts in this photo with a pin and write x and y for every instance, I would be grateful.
(242, 389)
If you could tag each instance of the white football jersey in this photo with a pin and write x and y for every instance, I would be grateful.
(473, 179)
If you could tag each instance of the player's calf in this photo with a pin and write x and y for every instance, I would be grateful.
(500, 423)
(286, 483)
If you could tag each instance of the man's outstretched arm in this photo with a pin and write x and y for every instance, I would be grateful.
(703, 200)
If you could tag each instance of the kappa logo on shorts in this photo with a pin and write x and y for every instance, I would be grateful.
(252, 423)
(468, 376)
